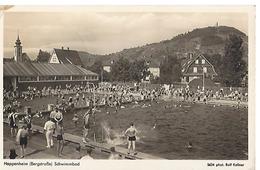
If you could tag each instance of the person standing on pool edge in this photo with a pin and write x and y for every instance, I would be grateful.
(131, 135)
(59, 131)
(22, 139)
(12, 122)
(49, 128)
(86, 125)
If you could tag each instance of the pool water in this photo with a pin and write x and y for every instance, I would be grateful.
(165, 128)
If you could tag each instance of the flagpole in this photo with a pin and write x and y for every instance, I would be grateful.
(93, 110)
(203, 81)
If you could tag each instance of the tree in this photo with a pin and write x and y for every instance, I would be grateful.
(97, 67)
(120, 70)
(138, 70)
(43, 56)
(170, 70)
(233, 68)
(25, 57)
(217, 61)
(106, 76)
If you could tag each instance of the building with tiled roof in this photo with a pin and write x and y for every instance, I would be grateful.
(65, 56)
(196, 66)
(154, 68)
(107, 64)
(19, 74)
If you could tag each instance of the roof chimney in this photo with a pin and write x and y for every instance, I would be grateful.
(62, 47)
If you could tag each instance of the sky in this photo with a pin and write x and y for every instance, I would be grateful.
(105, 32)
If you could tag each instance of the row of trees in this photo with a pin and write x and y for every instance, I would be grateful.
(231, 67)
(42, 57)
(122, 70)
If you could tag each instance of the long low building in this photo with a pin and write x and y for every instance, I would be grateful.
(20, 75)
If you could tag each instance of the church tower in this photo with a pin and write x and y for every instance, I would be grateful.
(18, 50)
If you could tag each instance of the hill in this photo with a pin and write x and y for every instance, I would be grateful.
(210, 40)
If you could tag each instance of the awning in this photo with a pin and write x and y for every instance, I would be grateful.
(43, 69)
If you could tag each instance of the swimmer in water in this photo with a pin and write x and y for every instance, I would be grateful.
(205, 99)
(154, 126)
(189, 146)
(131, 135)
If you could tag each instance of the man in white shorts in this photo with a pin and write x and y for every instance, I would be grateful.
(49, 127)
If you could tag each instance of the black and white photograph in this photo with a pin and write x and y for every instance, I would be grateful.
(123, 83)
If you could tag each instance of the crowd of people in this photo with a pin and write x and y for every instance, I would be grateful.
(21, 129)
(20, 126)
(114, 95)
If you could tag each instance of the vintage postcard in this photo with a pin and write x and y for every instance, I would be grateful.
(168, 87)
